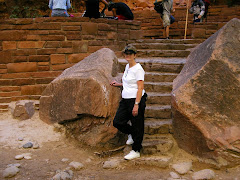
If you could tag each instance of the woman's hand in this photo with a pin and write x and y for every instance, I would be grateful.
(115, 83)
(135, 110)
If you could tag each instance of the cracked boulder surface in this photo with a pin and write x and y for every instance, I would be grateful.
(82, 100)
(205, 98)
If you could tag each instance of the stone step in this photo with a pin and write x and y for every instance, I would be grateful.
(157, 126)
(163, 53)
(157, 144)
(159, 98)
(171, 41)
(153, 64)
(163, 46)
(160, 77)
(158, 112)
(4, 106)
(160, 87)
(3, 110)
(5, 100)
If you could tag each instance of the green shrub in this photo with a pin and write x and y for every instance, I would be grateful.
(24, 12)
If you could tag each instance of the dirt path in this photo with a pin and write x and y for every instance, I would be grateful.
(54, 147)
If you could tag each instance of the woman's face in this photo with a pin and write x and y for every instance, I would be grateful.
(130, 56)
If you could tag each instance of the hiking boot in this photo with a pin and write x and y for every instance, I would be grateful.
(132, 155)
(130, 140)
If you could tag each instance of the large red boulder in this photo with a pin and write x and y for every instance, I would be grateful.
(206, 98)
(82, 99)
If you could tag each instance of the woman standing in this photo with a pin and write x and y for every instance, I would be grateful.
(59, 7)
(133, 103)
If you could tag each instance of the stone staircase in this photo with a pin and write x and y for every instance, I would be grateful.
(162, 61)
(217, 17)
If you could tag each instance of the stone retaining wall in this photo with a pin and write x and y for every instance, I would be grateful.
(35, 51)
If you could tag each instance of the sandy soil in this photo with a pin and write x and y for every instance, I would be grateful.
(54, 147)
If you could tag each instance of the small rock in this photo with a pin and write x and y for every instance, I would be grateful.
(20, 139)
(28, 145)
(16, 165)
(10, 171)
(111, 164)
(174, 175)
(204, 174)
(63, 175)
(76, 165)
(22, 110)
(182, 168)
(22, 124)
(88, 160)
(35, 145)
(65, 159)
(27, 155)
(19, 157)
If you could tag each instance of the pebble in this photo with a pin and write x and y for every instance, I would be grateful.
(20, 139)
(63, 175)
(35, 145)
(76, 165)
(28, 145)
(10, 172)
(182, 168)
(27, 155)
(88, 160)
(19, 157)
(204, 174)
(111, 164)
(65, 159)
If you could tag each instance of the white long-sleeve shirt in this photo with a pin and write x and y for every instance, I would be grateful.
(59, 4)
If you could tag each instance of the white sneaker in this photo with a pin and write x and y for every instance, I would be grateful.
(130, 140)
(133, 154)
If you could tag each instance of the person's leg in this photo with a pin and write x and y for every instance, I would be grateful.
(59, 13)
(137, 129)
(122, 117)
(66, 14)
(167, 32)
(166, 24)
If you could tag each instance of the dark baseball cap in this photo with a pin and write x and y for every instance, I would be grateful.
(130, 49)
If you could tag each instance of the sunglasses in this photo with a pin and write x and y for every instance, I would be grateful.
(128, 53)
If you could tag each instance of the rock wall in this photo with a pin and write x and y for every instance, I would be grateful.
(33, 52)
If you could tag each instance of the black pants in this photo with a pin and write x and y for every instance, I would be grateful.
(124, 114)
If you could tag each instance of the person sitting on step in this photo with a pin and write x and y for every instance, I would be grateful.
(120, 11)
(59, 7)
